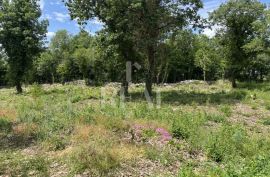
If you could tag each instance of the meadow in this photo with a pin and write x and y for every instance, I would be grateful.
(199, 129)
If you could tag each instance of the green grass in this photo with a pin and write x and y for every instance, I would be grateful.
(212, 134)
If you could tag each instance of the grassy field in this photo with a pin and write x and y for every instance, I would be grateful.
(199, 130)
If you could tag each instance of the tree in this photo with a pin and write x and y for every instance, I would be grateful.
(46, 66)
(21, 35)
(181, 56)
(3, 67)
(61, 48)
(206, 55)
(117, 16)
(139, 22)
(84, 54)
(235, 19)
(156, 20)
(259, 47)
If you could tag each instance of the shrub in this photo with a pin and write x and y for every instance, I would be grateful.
(15, 164)
(266, 122)
(227, 142)
(239, 94)
(161, 155)
(216, 118)
(187, 171)
(5, 125)
(37, 90)
(56, 143)
(97, 159)
(186, 125)
(226, 109)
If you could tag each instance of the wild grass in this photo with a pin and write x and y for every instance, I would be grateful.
(99, 136)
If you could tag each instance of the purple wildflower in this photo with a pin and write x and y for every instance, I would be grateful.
(165, 135)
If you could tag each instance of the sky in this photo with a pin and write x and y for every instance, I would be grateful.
(58, 16)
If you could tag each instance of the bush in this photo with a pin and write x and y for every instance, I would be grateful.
(239, 94)
(5, 125)
(226, 143)
(19, 165)
(56, 143)
(266, 122)
(226, 109)
(37, 90)
(186, 125)
(98, 160)
(187, 171)
(216, 118)
(163, 155)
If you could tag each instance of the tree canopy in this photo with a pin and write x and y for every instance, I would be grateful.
(21, 35)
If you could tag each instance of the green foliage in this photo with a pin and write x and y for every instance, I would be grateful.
(89, 138)
(99, 160)
(160, 155)
(5, 125)
(46, 66)
(3, 68)
(227, 110)
(187, 171)
(186, 125)
(207, 57)
(216, 118)
(21, 36)
(156, 19)
(227, 143)
(37, 90)
(237, 19)
(266, 122)
(180, 53)
(56, 143)
(20, 165)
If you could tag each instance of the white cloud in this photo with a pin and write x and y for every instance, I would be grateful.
(211, 32)
(50, 34)
(61, 17)
(47, 16)
(96, 22)
(210, 6)
(41, 4)
(55, 3)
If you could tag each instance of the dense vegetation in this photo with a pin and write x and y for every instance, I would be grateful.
(239, 50)
(80, 115)
(199, 130)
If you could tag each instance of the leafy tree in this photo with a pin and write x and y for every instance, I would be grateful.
(235, 18)
(46, 66)
(141, 21)
(117, 16)
(85, 58)
(84, 54)
(60, 42)
(259, 47)
(3, 68)
(109, 65)
(156, 20)
(181, 56)
(206, 55)
(61, 48)
(21, 35)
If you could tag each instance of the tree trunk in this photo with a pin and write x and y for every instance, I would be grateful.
(233, 80)
(53, 79)
(166, 74)
(150, 71)
(124, 89)
(19, 87)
